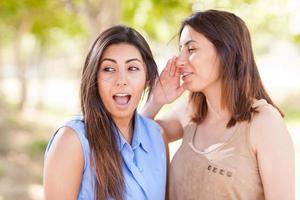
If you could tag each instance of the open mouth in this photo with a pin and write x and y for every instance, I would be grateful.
(122, 98)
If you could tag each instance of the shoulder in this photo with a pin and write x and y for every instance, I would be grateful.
(74, 127)
(150, 129)
(152, 137)
(267, 126)
(65, 139)
(272, 143)
(62, 146)
(70, 137)
(76, 123)
(63, 170)
(266, 115)
(148, 123)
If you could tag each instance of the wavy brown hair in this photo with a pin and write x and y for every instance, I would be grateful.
(241, 82)
(105, 158)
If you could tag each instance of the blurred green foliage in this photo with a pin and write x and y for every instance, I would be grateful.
(38, 18)
(159, 19)
(37, 148)
(292, 114)
(268, 21)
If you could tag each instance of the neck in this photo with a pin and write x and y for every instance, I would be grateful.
(216, 112)
(125, 128)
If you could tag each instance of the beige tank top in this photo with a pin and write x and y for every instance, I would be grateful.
(229, 171)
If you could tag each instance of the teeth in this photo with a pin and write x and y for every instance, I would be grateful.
(121, 95)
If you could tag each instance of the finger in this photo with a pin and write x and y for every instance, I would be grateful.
(172, 67)
(165, 71)
(177, 71)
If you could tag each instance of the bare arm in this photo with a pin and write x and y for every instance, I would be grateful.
(275, 154)
(166, 90)
(63, 167)
(170, 123)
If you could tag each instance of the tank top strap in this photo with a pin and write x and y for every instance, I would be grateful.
(189, 131)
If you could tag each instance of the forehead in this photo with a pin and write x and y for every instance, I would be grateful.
(190, 36)
(185, 35)
(121, 50)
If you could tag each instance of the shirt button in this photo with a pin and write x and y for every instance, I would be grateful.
(141, 169)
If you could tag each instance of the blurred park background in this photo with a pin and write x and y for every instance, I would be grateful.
(43, 44)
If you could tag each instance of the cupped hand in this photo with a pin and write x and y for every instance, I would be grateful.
(168, 88)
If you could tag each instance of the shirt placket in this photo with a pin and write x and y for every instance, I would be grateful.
(136, 171)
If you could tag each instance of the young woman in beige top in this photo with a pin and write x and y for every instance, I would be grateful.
(235, 142)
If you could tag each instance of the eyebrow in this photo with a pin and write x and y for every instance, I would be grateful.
(127, 61)
(187, 43)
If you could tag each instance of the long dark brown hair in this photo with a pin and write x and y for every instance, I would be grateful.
(105, 157)
(241, 82)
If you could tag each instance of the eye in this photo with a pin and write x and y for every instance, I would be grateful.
(133, 68)
(109, 69)
(191, 50)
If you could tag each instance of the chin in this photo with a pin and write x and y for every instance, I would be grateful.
(122, 114)
(192, 88)
(196, 86)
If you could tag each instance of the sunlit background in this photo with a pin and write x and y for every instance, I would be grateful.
(42, 49)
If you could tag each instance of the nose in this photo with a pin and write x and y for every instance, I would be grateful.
(121, 79)
(181, 60)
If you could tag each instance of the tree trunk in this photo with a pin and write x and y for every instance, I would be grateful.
(22, 27)
(101, 14)
(40, 74)
(1, 72)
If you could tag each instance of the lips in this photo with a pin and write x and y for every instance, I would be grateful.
(185, 74)
(122, 98)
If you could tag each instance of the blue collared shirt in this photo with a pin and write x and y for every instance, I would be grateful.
(144, 161)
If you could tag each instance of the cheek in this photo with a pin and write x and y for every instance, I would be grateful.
(105, 80)
(103, 88)
(195, 60)
(141, 87)
(102, 85)
(140, 83)
(197, 63)
(138, 78)
(203, 64)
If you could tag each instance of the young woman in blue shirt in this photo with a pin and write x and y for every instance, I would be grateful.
(110, 151)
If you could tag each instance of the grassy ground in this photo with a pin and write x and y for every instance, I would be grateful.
(24, 137)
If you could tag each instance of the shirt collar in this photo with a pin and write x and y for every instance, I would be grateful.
(139, 135)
